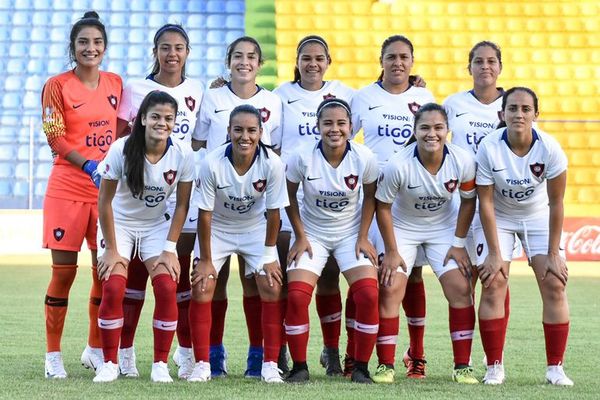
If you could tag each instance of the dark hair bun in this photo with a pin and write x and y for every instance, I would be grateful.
(91, 14)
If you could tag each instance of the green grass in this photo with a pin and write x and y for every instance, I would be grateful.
(22, 347)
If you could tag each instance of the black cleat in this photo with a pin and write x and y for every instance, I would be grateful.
(282, 362)
(360, 375)
(330, 360)
(299, 375)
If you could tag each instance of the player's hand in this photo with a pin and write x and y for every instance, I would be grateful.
(273, 273)
(417, 80)
(460, 255)
(389, 267)
(218, 82)
(556, 265)
(203, 272)
(488, 271)
(90, 167)
(170, 262)
(300, 246)
(363, 245)
(107, 262)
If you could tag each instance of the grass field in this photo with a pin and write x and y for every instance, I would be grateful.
(22, 347)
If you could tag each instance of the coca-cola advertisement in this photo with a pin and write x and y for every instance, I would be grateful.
(581, 239)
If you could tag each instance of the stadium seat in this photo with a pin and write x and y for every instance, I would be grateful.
(137, 36)
(21, 188)
(215, 21)
(176, 18)
(215, 53)
(195, 21)
(5, 188)
(7, 152)
(215, 69)
(12, 102)
(13, 83)
(31, 101)
(135, 69)
(196, 7)
(138, 53)
(40, 188)
(22, 171)
(155, 21)
(42, 171)
(42, 4)
(196, 37)
(116, 66)
(215, 37)
(55, 66)
(235, 6)
(119, 19)
(177, 6)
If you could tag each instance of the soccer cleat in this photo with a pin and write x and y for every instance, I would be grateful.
(555, 375)
(127, 362)
(384, 374)
(254, 362)
(330, 360)
(107, 372)
(218, 361)
(92, 357)
(200, 373)
(270, 373)
(282, 361)
(360, 375)
(299, 375)
(54, 367)
(160, 373)
(184, 359)
(465, 375)
(348, 366)
(494, 374)
(415, 367)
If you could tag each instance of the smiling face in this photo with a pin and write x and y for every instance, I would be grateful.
(312, 63)
(245, 63)
(245, 133)
(431, 132)
(89, 47)
(159, 122)
(334, 126)
(171, 52)
(396, 62)
(519, 112)
(485, 67)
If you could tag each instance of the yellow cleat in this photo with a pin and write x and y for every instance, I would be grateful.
(464, 375)
(384, 374)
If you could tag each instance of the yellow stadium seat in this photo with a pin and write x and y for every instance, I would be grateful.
(416, 8)
(456, 9)
(321, 8)
(378, 8)
(285, 53)
(400, 8)
(532, 9)
(284, 22)
(360, 7)
(286, 38)
(588, 194)
(570, 9)
(360, 23)
(306, 7)
(596, 159)
(284, 7)
(577, 40)
(594, 140)
(577, 141)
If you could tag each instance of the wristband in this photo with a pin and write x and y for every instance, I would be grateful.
(459, 242)
(170, 246)
(270, 254)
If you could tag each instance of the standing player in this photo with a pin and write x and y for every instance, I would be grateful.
(244, 58)
(385, 111)
(300, 98)
(138, 175)
(171, 49)
(521, 179)
(335, 173)
(240, 183)
(79, 119)
(415, 209)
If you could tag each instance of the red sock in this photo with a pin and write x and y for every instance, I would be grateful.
(296, 319)
(110, 315)
(283, 309)
(350, 313)
(272, 325)
(164, 321)
(56, 302)
(184, 293)
(95, 299)
(366, 297)
(556, 342)
(329, 309)
(386, 340)
(492, 339)
(252, 311)
(135, 293)
(414, 308)
(462, 324)
(200, 318)
(219, 309)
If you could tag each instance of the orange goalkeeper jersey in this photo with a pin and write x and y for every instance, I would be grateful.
(77, 118)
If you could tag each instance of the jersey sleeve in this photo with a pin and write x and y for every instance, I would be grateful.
(484, 175)
(203, 121)
(187, 172)
(205, 192)
(111, 168)
(371, 172)
(557, 160)
(467, 179)
(294, 171)
(389, 183)
(126, 105)
(276, 187)
(53, 118)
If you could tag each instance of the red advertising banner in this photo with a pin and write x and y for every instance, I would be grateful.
(581, 238)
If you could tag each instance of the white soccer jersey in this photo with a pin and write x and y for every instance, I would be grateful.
(160, 180)
(423, 202)
(332, 196)
(188, 95)
(387, 119)
(218, 104)
(519, 182)
(470, 120)
(299, 119)
(238, 203)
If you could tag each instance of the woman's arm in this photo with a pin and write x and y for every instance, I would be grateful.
(111, 255)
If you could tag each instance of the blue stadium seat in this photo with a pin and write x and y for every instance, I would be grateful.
(5, 4)
(17, 50)
(215, 37)
(234, 22)
(38, 50)
(196, 36)
(231, 35)
(61, 4)
(196, 21)
(44, 154)
(178, 6)
(85, 5)
(21, 18)
(5, 188)
(138, 21)
(23, 152)
(116, 66)
(8, 120)
(233, 6)
(195, 69)
(7, 152)
(12, 102)
(42, 4)
(20, 34)
(55, 66)
(176, 19)
(4, 32)
(31, 101)
(57, 50)
(21, 188)
(120, 6)
(36, 67)
(135, 69)
(215, 21)
(117, 51)
(138, 52)
(215, 69)
(40, 188)
(13, 83)
(157, 6)
(7, 134)
(42, 171)
(156, 21)
(196, 7)
(215, 6)
(119, 19)
(137, 36)
(139, 6)
(40, 18)
(5, 17)
(118, 35)
(22, 135)
(39, 34)
(215, 53)
(34, 83)
(59, 35)
(61, 19)
(22, 171)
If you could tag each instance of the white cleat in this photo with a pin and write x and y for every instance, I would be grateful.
(270, 373)
(108, 372)
(494, 374)
(92, 357)
(184, 359)
(160, 373)
(54, 366)
(127, 362)
(201, 372)
(555, 375)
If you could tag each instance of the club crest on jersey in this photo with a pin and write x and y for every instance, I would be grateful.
(451, 185)
(190, 102)
(260, 185)
(414, 107)
(59, 233)
(264, 114)
(537, 169)
(351, 181)
(329, 96)
(170, 176)
(112, 100)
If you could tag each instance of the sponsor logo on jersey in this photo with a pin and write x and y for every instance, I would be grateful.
(59, 233)
(307, 130)
(152, 200)
(518, 195)
(100, 140)
(190, 102)
(293, 101)
(76, 106)
(260, 185)
(220, 111)
(479, 124)
(399, 135)
(430, 203)
(414, 107)
(351, 181)
(328, 96)
(451, 185)
(170, 176)
(461, 114)
(265, 114)
(414, 186)
(312, 178)
(494, 169)
(371, 108)
(537, 169)
(112, 100)
(246, 204)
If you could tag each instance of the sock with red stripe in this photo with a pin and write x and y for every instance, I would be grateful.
(492, 339)
(184, 293)
(350, 313)
(386, 340)
(200, 321)
(462, 324)
(219, 310)
(329, 309)
(110, 315)
(414, 305)
(95, 299)
(272, 325)
(366, 297)
(56, 303)
(135, 293)
(297, 320)
(556, 342)
(252, 311)
(164, 322)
